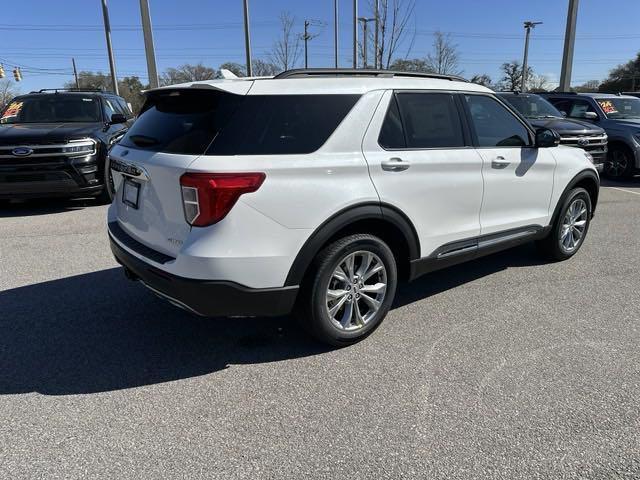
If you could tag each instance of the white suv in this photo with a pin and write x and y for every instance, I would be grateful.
(319, 190)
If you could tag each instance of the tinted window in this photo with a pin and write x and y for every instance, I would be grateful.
(392, 133)
(430, 120)
(495, 125)
(110, 107)
(532, 106)
(124, 107)
(282, 124)
(179, 121)
(52, 108)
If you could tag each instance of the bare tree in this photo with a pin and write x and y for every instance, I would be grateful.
(7, 91)
(286, 50)
(410, 65)
(482, 79)
(444, 58)
(590, 86)
(394, 17)
(538, 83)
(512, 75)
(263, 68)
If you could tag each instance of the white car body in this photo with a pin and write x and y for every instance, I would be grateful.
(447, 196)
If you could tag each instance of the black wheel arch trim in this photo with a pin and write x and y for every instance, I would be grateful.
(585, 174)
(341, 220)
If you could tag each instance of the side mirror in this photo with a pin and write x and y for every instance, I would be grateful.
(546, 138)
(117, 118)
(591, 115)
(564, 114)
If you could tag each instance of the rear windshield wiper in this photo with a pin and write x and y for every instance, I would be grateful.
(143, 140)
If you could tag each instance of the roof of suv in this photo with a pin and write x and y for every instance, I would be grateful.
(338, 82)
(582, 94)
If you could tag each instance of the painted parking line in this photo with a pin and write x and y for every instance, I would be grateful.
(623, 190)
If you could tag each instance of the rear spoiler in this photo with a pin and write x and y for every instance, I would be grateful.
(236, 87)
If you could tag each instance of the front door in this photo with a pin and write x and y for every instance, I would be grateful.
(518, 178)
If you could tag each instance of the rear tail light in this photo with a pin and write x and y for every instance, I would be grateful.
(208, 197)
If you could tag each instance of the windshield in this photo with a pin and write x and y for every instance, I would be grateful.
(52, 108)
(620, 107)
(532, 106)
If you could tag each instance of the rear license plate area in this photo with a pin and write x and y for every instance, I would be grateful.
(130, 193)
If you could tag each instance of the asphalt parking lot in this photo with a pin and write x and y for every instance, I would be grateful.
(506, 367)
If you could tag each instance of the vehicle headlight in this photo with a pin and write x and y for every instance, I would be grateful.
(80, 147)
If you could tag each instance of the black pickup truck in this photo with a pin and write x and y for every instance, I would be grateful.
(55, 143)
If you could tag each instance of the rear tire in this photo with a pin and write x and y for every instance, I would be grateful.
(619, 163)
(570, 227)
(107, 194)
(349, 290)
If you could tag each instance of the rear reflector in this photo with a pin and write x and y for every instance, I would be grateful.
(208, 197)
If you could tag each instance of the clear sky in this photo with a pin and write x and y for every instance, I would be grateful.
(42, 35)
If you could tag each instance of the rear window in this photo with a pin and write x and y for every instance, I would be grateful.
(282, 124)
(181, 121)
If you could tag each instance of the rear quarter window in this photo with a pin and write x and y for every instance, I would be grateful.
(181, 121)
(282, 124)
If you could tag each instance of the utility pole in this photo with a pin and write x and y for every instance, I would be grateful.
(247, 39)
(75, 72)
(107, 33)
(376, 14)
(152, 71)
(569, 43)
(525, 63)
(306, 38)
(335, 31)
(365, 21)
(355, 33)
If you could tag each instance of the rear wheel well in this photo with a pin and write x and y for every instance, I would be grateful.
(383, 229)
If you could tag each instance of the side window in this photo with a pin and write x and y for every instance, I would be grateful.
(562, 105)
(431, 120)
(579, 108)
(392, 133)
(124, 108)
(109, 107)
(495, 126)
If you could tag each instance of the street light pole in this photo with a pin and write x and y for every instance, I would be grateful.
(247, 39)
(306, 37)
(107, 33)
(525, 63)
(355, 33)
(365, 34)
(152, 71)
(75, 72)
(335, 31)
(376, 14)
(569, 42)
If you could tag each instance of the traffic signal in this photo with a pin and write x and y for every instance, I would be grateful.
(1, 71)
(17, 74)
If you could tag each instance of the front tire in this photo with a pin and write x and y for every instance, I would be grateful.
(619, 163)
(349, 291)
(570, 227)
(108, 190)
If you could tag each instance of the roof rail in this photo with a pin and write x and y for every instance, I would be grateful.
(560, 93)
(361, 72)
(56, 90)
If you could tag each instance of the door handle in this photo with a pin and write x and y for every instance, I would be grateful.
(499, 162)
(395, 165)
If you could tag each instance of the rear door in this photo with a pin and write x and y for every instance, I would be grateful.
(175, 127)
(422, 162)
(518, 178)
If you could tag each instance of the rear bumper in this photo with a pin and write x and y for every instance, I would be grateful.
(210, 298)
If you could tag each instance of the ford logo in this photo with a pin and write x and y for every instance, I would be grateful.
(22, 151)
(583, 142)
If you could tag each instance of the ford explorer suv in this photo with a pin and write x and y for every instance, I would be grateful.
(574, 133)
(619, 115)
(55, 143)
(317, 191)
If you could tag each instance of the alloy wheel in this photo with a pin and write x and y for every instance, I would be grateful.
(574, 225)
(356, 290)
(616, 164)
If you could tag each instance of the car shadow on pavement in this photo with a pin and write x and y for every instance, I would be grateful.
(98, 332)
(29, 208)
